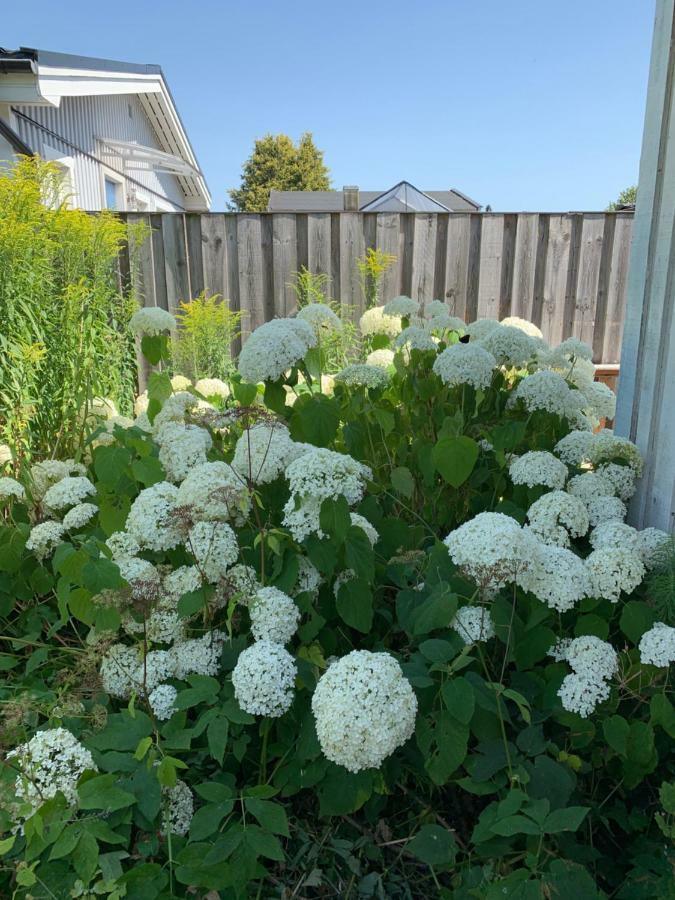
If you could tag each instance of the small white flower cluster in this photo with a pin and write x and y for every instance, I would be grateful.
(537, 467)
(10, 489)
(492, 549)
(414, 338)
(557, 577)
(657, 646)
(139, 573)
(363, 375)
(363, 523)
(273, 348)
(654, 546)
(622, 479)
(214, 491)
(274, 616)
(612, 570)
(263, 451)
(44, 538)
(608, 447)
(597, 494)
(600, 400)
(79, 515)
(309, 578)
(364, 708)
(124, 670)
(162, 701)
(473, 624)
(524, 325)
(46, 473)
(465, 364)
(441, 322)
(382, 358)
(152, 320)
(593, 663)
(198, 656)
(510, 346)
(549, 391)
(121, 544)
(151, 520)
(214, 547)
(435, 308)
(179, 806)
(181, 448)
(175, 409)
(241, 584)
(481, 328)
(67, 492)
(401, 306)
(321, 317)
(556, 516)
(573, 449)
(616, 534)
(51, 761)
(212, 387)
(376, 321)
(264, 679)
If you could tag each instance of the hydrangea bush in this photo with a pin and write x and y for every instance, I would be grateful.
(385, 635)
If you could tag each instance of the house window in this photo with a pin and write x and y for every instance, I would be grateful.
(113, 190)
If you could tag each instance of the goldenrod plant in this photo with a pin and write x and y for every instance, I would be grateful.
(372, 267)
(202, 345)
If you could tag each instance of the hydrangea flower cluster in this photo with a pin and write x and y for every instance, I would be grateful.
(473, 624)
(152, 320)
(363, 523)
(10, 489)
(363, 375)
(321, 317)
(593, 662)
(151, 520)
(524, 325)
(264, 679)
(274, 616)
(273, 348)
(212, 387)
(79, 515)
(179, 806)
(263, 451)
(414, 338)
(67, 492)
(376, 321)
(309, 578)
(214, 547)
(510, 346)
(382, 358)
(46, 473)
(162, 701)
(402, 306)
(657, 646)
(549, 391)
(364, 708)
(465, 364)
(573, 449)
(181, 448)
(556, 516)
(492, 549)
(441, 322)
(612, 570)
(558, 577)
(538, 467)
(481, 328)
(45, 538)
(214, 491)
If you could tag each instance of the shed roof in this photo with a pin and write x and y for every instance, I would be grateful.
(333, 201)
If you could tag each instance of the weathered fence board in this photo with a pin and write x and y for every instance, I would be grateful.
(564, 271)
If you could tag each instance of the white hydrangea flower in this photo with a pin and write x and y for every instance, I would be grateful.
(376, 321)
(654, 546)
(175, 409)
(264, 679)
(181, 581)
(363, 375)
(141, 404)
(263, 452)
(51, 761)
(139, 573)
(214, 547)
(435, 308)
(558, 578)
(119, 666)
(180, 382)
(152, 670)
(273, 348)
(612, 570)
(321, 317)
(657, 646)
(465, 364)
(538, 467)
(79, 515)
(364, 709)
(164, 625)
(67, 492)
(401, 306)
(481, 328)
(322, 473)
(589, 486)
(198, 656)
(616, 534)
(152, 320)
(241, 583)
(179, 806)
(473, 624)
(593, 662)
(510, 346)
(442, 322)
(10, 489)
(608, 447)
(492, 549)
(151, 521)
(309, 578)
(121, 544)
(341, 578)
(45, 538)
(303, 518)
(48, 472)
(212, 387)
(363, 523)
(600, 400)
(581, 695)
(181, 448)
(602, 509)
(556, 516)
(622, 479)
(414, 337)
(214, 491)
(524, 325)
(274, 616)
(162, 701)
(574, 448)
(382, 358)
(548, 391)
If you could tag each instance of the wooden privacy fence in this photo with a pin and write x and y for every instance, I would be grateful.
(564, 271)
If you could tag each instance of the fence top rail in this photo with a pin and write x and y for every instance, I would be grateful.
(625, 213)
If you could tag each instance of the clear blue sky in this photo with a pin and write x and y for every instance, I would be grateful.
(523, 104)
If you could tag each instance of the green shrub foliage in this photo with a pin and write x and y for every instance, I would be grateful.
(389, 641)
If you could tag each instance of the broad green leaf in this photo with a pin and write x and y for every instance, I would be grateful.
(359, 554)
(434, 845)
(455, 458)
(403, 481)
(244, 393)
(101, 792)
(567, 819)
(459, 699)
(315, 419)
(216, 736)
(334, 518)
(616, 730)
(355, 604)
(636, 618)
(272, 816)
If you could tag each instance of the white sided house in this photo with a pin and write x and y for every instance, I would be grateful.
(112, 128)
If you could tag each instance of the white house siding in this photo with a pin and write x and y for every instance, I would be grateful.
(81, 121)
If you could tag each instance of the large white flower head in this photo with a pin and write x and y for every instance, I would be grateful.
(600, 400)
(264, 679)
(321, 317)
(401, 306)
(622, 479)
(176, 408)
(263, 451)
(198, 656)
(612, 570)
(180, 383)
(589, 486)
(538, 467)
(67, 492)
(435, 308)
(121, 544)
(574, 448)
(548, 391)
(556, 516)
(593, 662)
(581, 695)
(473, 624)
(654, 546)
(375, 321)
(179, 805)
(465, 364)
(212, 387)
(602, 509)
(274, 616)
(322, 473)
(46, 473)
(51, 761)
(302, 517)
(273, 348)
(309, 578)
(510, 346)
(213, 491)
(558, 578)
(45, 538)
(151, 520)
(240, 584)
(162, 701)
(657, 646)
(79, 515)
(616, 534)
(607, 447)
(118, 670)
(492, 549)
(10, 489)
(481, 328)
(414, 337)
(152, 320)
(181, 448)
(382, 358)
(366, 526)
(443, 322)
(363, 375)
(523, 325)
(364, 709)
(180, 581)
(214, 547)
